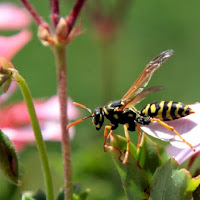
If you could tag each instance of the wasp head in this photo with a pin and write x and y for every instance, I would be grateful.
(98, 118)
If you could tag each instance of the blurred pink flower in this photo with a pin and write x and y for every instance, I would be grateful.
(188, 127)
(15, 121)
(13, 18)
(9, 46)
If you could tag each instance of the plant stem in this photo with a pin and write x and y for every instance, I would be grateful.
(38, 135)
(55, 13)
(33, 12)
(60, 58)
(72, 17)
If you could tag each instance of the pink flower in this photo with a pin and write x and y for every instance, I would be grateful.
(182, 155)
(15, 121)
(9, 46)
(188, 127)
(13, 18)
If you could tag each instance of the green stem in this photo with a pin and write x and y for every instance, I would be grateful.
(60, 58)
(38, 135)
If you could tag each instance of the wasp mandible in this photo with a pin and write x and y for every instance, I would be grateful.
(123, 111)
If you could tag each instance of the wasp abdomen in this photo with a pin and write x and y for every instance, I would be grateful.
(166, 110)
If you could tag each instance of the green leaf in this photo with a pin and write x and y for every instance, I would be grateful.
(133, 177)
(8, 159)
(196, 193)
(149, 157)
(39, 195)
(121, 143)
(61, 195)
(172, 183)
(26, 197)
(193, 184)
(82, 196)
(78, 195)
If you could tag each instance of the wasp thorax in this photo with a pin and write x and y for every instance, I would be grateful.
(98, 118)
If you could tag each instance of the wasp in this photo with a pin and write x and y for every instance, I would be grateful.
(123, 111)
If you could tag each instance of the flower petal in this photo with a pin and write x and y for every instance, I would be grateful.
(16, 114)
(15, 121)
(9, 46)
(51, 131)
(13, 17)
(182, 155)
(188, 127)
(50, 109)
(24, 136)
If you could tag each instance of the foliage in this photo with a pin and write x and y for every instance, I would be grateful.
(103, 62)
(155, 180)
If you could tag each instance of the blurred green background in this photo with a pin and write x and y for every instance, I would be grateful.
(147, 28)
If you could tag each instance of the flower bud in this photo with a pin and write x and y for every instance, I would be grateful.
(62, 31)
(6, 73)
(45, 36)
(8, 159)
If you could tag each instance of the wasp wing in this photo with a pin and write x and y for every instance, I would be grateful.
(136, 99)
(147, 73)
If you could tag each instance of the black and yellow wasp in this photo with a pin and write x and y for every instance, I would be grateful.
(123, 111)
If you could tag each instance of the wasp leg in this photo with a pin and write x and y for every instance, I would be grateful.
(172, 129)
(139, 136)
(106, 134)
(111, 131)
(128, 142)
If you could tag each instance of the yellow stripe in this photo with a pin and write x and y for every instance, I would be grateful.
(104, 109)
(130, 115)
(145, 111)
(116, 116)
(109, 106)
(177, 109)
(161, 110)
(100, 118)
(185, 108)
(168, 115)
(153, 108)
(98, 125)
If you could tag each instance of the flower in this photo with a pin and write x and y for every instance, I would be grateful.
(13, 18)
(181, 155)
(15, 121)
(188, 127)
(9, 46)
(106, 24)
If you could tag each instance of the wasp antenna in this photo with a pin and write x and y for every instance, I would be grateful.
(78, 121)
(82, 106)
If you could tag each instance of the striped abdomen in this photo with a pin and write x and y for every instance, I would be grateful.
(166, 110)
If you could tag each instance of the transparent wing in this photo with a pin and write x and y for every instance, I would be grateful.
(136, 99)
(147, 73)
